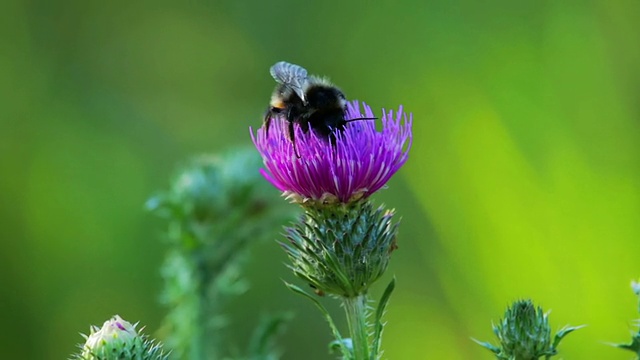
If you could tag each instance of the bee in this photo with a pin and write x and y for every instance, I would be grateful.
(311, 102)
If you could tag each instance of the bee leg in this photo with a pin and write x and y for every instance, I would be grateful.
(267, 122)
(332, 137)
(292, 131)
(292, 136)
(268, 116)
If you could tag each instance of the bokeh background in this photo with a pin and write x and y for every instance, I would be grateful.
(524, 179)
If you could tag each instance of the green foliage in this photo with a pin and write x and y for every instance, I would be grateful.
(262, 345)
(523, 178)
(216, 208)
(634, 346)
(340, 343)
(359, 313)
(378, 326)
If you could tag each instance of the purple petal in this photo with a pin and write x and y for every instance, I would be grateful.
(359, 164)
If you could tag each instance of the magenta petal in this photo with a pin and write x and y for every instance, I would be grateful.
(361, 162)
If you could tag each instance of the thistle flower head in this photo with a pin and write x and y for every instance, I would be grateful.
(358, 163)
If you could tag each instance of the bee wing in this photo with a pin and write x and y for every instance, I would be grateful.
(292, 75)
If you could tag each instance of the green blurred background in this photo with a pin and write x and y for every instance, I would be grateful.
(524, 178)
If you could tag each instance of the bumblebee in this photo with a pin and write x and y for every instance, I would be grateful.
(310, 101)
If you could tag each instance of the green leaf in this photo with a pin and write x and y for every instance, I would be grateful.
(564, 332)
(337, 345)
(262, 341)
(634, 346)
(334, 329)
(487, 345)
(379, 325)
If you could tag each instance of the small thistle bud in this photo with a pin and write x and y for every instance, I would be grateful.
(634, 346)
(635, 286)
(524, 333)
(212, 189)
(342, 249)
(118, 339)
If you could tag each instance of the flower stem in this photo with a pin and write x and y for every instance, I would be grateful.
(356, 310)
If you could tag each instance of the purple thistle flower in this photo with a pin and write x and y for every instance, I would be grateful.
(360, 162)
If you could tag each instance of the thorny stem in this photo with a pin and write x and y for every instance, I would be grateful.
(356, 310)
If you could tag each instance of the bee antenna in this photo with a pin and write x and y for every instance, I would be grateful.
(362, 118)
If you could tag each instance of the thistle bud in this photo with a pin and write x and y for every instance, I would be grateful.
(525, 334)
(118, 339)
(634, 346)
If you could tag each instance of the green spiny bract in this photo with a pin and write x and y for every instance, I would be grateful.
(341, 249)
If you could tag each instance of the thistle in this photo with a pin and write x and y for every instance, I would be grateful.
(117, 339)
(216, 208)
(634, 346)
(525, 334)
(341, 244)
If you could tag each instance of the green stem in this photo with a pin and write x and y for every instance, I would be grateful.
(356, 310)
